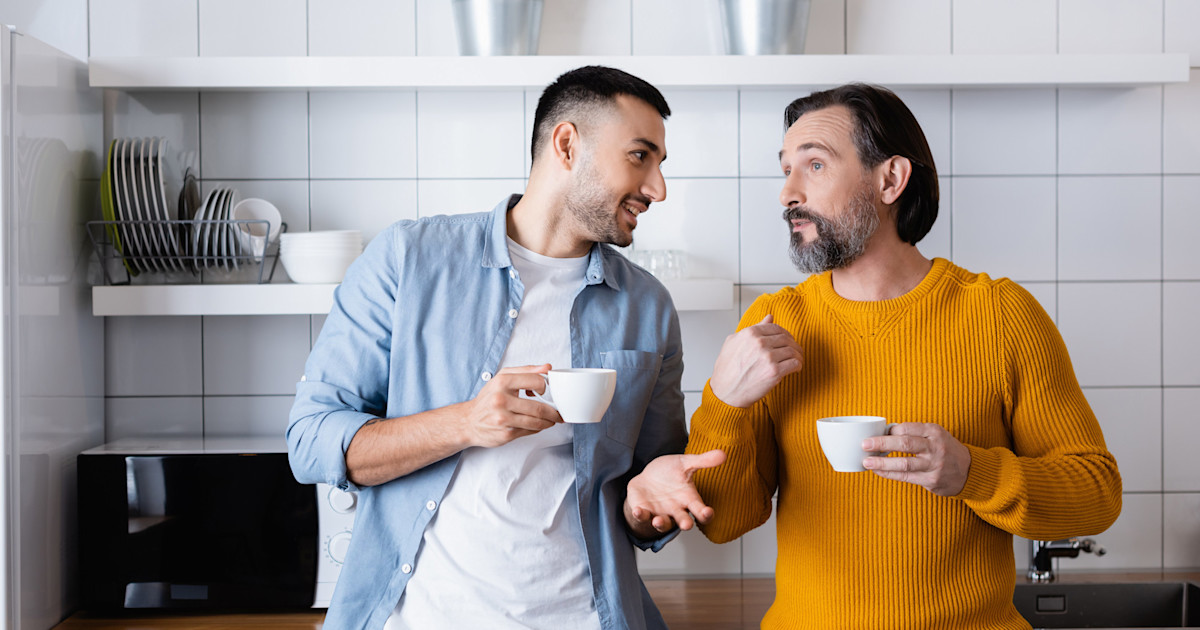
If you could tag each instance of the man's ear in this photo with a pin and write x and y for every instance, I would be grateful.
(564, 144)
(893, 178)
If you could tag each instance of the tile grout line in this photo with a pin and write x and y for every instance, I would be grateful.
(417, 150)
(705, 177)
(950, 158)
(199, 162)
(630, 31)
(308, 188)
(1162, 306)
(308, 146)
(203, 385)
(1057, 175)
(157, 396)
(845, 26)
(736, 286)
(951, 27)
(1057, 28)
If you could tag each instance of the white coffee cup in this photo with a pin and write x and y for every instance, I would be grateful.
(579, 394)
(254, 237)
(841, 439)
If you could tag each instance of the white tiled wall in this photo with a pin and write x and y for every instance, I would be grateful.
(373, 28)
(1015, 26)
(1088, 197)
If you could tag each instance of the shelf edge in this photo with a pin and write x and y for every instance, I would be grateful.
(305, 73)
(313, 299)
(213, 299)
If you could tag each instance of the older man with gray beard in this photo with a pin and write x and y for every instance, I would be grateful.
(994, 435)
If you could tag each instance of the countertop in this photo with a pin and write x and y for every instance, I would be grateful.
(696, 604)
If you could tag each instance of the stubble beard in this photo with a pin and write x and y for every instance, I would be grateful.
(839, 241)
(592, 206)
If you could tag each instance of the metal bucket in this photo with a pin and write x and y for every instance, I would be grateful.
(497, 27)
(764, 27)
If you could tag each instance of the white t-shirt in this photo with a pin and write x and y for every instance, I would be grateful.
(505, 549)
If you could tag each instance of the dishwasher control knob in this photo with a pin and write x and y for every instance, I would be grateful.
(338, 544)
(342, 502)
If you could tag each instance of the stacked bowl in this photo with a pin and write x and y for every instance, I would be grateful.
(319, 257)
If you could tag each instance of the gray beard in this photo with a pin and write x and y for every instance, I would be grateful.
(839, 241)
(592, 207)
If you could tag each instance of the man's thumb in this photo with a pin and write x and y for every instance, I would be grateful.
(708, 459)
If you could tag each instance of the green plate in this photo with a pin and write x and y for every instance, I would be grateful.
(106, 206)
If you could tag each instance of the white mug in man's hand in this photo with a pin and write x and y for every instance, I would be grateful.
(841, 439)
(579, 394)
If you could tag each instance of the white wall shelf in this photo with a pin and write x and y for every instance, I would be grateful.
(213, 299)
(312, 299)
(899, 71)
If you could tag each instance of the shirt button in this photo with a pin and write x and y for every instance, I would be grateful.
(512, 273)
(512, 313)
(407, 568)
(486, 376)
(430, 505)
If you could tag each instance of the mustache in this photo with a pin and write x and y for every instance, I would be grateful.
(802, 213)
(642, 199)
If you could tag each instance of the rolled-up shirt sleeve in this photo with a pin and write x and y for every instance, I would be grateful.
(345, 380)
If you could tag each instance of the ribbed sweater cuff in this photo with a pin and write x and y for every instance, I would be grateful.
(984, 476)
(721, 423)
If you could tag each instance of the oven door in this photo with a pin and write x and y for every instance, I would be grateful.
(199, 531)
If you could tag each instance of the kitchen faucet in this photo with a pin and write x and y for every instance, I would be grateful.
(1043, 552)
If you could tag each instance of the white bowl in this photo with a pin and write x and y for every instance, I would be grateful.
(322, 233)
(298, 245)
(326, 236)
(336, 253)
(316, 268)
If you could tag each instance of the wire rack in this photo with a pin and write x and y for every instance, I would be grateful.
(178, 250)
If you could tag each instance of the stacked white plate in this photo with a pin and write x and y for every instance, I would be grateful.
(215, 241)
(319, 257)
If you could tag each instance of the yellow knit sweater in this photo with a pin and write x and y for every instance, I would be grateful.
(979, 357)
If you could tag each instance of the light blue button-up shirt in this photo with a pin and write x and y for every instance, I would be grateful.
(421, 321)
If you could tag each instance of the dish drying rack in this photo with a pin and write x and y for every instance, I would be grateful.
(173, 256)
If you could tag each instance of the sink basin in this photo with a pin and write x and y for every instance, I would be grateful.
(1109, 605)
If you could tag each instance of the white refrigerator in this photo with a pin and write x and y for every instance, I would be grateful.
(51, 347)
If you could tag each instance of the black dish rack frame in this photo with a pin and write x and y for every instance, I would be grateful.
(119, 265)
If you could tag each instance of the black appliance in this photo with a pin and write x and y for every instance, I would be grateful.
(195, 524)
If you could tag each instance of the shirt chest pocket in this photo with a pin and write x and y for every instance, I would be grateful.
(637, 373)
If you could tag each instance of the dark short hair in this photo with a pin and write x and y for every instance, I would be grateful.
(884, 127)
(588, 87)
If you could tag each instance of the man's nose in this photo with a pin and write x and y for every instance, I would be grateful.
(656, 186)
(792, 193)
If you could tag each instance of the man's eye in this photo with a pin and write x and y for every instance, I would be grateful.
(639, 155)
(816, 166)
